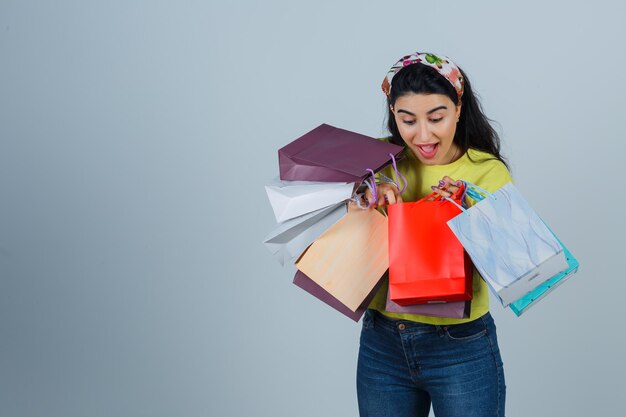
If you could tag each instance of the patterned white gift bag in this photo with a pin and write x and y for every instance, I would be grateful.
(509, 244)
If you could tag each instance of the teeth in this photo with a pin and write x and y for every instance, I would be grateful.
(428, 148)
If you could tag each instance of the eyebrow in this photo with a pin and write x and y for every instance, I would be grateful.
(428, 112)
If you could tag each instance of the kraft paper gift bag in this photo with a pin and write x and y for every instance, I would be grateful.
(313, 288)
(530, 299)
(426, 261)
(349, 258)
(291, 199)
(511, 247)
(330, 154)
(289, 239)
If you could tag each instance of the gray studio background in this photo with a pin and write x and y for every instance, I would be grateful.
(135, 140)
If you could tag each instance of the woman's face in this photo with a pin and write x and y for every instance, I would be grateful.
(427, 123)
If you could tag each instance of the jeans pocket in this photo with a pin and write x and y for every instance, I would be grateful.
(466, 331)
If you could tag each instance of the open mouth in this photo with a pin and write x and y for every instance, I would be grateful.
(429, 150)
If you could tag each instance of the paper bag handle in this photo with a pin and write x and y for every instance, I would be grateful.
(474, 192)
(371, 184)
(457, 195)
(398, 175)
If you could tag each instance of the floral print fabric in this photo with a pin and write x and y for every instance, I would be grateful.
(442, 64)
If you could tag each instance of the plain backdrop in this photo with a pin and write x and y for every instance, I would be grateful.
(135, 140)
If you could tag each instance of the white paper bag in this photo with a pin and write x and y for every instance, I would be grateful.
(289, 239)
(290, 199)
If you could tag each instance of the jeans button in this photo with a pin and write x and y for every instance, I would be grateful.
(401, 326)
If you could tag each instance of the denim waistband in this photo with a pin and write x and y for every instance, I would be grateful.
(392, 324)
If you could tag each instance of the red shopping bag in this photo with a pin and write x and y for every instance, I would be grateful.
(427, 263)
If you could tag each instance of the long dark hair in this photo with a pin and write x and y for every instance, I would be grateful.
(473, 129)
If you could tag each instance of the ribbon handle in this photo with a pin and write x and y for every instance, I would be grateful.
(398, 175)
(474, 192)
(371, 183)
(457, 195)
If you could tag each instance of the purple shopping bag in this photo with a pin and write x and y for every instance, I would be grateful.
(454, 309)
(330, 154)
(310, 286)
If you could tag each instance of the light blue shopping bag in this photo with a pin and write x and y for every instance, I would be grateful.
(520, 258)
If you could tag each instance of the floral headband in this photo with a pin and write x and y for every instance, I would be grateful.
(443, 65)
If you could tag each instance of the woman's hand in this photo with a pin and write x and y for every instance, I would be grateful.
(446, 187)
(387, 194)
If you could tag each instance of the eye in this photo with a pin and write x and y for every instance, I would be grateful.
(436, 120)
(408, 122)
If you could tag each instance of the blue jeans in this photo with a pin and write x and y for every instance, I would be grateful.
(405, 366)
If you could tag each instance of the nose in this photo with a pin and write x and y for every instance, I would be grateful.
(422, 135)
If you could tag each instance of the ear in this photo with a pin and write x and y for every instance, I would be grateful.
(391, 108)
(457, 111)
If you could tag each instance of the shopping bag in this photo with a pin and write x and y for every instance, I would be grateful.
(523, 304)
(455, 309)
(511, 247)
(330, 154)
(289, 239)
(426, 261)
(291, 199)
(350, 257)
(313, 288)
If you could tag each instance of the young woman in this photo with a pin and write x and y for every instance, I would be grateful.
(408, 362)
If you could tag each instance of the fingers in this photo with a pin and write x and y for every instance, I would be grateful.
(397, 197)
(368, 195)
(446, 187)
(389, 193)
(386, 193)
(393, 194)
(449, 182)
(389, 196)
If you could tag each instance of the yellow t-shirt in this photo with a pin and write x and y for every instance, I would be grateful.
(477, 167)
